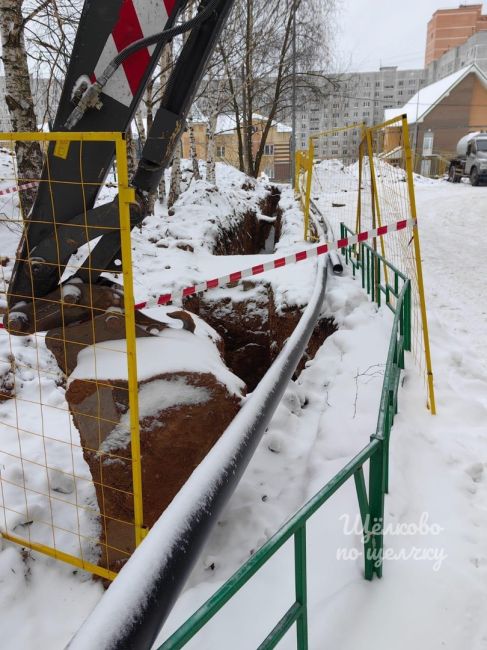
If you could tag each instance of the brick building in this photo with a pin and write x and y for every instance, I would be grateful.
(277, 153)
(440, 114)
(449, 28)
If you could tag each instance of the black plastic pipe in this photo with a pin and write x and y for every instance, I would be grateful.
(137, 603)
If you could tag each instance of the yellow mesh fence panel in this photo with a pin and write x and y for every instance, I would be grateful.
(58, 492)
(370, 186)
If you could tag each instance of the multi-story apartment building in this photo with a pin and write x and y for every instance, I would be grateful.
(362, 97)
(473, 50)
(450, 28)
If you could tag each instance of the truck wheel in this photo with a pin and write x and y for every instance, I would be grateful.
(474, 176)
(453, 175)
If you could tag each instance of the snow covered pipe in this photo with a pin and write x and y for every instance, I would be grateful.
(136, 605)
(335, 262)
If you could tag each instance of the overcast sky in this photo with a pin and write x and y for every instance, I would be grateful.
(385, 32)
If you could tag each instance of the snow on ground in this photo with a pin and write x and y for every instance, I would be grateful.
(437, 464)
(433, 592)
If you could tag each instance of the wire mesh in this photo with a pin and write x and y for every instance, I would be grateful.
(369, 187)
(65, 423)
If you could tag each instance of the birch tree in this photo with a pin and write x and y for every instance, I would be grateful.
(257, 55)
(18, 93)
(193, 153)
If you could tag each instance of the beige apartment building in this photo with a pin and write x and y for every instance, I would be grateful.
(276, 161)
(449, 28)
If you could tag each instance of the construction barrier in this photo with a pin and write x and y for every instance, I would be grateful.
(61, 492)
(364, 192)
(302, 183)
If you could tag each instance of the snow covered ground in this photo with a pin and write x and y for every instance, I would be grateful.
(433, 592)
(437, 483)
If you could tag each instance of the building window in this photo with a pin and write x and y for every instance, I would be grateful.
(428, 144)
(269, 150)
(220, 152)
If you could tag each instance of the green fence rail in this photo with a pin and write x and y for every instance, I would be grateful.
(397, 296)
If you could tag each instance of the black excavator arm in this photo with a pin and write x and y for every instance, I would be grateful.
(117, 47)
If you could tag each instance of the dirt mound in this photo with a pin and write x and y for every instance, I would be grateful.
(182, 415)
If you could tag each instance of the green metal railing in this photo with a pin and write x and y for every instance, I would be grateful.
(366, 261)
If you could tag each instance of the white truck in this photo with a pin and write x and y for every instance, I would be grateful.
(471, 160)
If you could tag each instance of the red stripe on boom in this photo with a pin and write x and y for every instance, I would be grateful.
(235, 276)
(402, 224)
(169, 4)
(259, 268)
(342, 243)
(281, 261)
(126, 31)
(301, 256)
(363, 236)
(382, 230)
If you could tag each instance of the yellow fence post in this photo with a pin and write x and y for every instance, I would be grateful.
(375, 196)
(419, 267)
(126, 196)
(309, 178)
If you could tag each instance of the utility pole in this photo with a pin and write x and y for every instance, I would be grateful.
(293, 139)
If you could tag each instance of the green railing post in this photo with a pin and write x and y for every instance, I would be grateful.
(407, 318)
(365, 517)
(301, 587)
(374, 530)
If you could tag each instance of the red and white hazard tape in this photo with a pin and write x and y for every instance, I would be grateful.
(17, 188)
(276, 263)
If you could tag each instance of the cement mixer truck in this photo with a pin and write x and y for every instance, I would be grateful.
(471, 159)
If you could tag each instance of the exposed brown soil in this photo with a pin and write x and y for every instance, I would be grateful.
(173, 442)
(175, 439)
(251, 235)
(253, 331)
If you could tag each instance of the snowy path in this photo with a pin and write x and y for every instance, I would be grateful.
(438, 476)
(437, 464)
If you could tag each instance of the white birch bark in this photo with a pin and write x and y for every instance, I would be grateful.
(166, 67)
(193, 152)
(18, 95)
(175, 185)
(210, 149)
(131, 153)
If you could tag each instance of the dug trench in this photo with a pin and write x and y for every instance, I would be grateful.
(253, 328)
(188, 411)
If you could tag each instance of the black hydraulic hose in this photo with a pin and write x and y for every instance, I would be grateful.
(167, 34)
(90, 97)
(137, 603)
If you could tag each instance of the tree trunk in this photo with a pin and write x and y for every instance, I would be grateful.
(175, 186)
(166, 64)
(18, 96)
(139, 122)
(210, 147)
(193, 154)
(131, 153)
